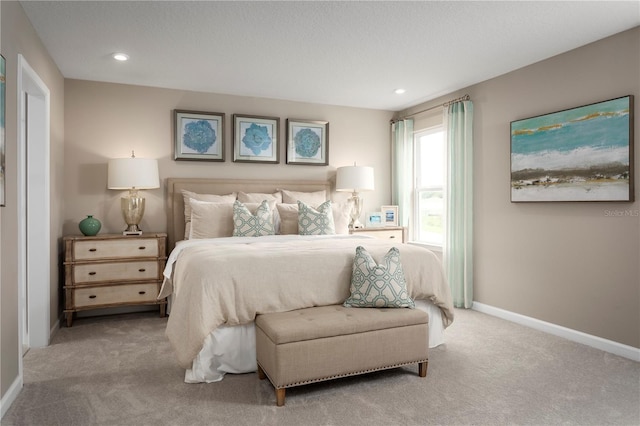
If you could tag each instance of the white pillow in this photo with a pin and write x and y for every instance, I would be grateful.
(315, 221)
(247, 224)
(212, 198)
(378, 285)
(288, 218)
(342, 216)
(258, 197)
(288, 214)
(211, 220)
(313, 199)
(214, 220)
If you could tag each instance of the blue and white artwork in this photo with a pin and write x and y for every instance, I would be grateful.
(580, 154)
(257, 140)
(307, 142)
(199, 136)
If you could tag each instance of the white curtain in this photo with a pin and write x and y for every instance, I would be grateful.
(402, 168)
(458, 247)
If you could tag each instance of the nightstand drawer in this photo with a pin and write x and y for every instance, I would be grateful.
(384, 234)
(115, 248)
(115, 294)
(121, 271)
(388, 233)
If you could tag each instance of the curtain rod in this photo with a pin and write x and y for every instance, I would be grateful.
(444, 105)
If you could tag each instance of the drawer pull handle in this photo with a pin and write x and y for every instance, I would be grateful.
(142, 248)
(93, 249)
(92, 273)
(142, 292)
(393, 236)
(141, 270)
(93, 296)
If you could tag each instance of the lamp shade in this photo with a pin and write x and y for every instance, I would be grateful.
(138, 173)
(354, 179)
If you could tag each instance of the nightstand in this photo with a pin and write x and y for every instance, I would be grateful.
(388, 232)
(111, 270)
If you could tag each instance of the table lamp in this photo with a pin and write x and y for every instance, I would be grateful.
(355, 179)
(132, 174)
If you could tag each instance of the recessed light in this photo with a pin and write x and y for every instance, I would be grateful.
(120, 57)
(399, 91)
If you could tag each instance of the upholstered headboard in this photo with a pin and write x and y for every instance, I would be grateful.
(175, 201)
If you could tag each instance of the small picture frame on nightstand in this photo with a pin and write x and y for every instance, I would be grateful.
(389, 215)
(374, 220)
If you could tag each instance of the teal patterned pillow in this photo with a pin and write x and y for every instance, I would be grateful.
(246, 224)
(378, 286)
(315, 221)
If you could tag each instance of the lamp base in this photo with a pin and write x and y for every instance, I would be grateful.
(132, 212)
(357, 224)
(356, 211)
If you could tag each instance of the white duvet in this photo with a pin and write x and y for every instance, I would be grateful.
(218, 286)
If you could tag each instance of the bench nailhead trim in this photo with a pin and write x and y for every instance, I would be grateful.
(355, 373)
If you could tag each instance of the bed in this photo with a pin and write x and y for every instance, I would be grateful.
(216, 286)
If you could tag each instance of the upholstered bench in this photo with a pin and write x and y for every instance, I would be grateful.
(322, 343)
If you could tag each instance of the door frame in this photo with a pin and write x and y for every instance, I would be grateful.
(34, 216)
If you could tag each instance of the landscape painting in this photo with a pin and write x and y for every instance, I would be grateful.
(579, 154)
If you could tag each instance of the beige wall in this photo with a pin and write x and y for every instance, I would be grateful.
(569, 264)
(104, 120)
(572, 264)
(18, 37)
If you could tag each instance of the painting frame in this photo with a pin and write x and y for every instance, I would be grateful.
(196, 130)
(3, 112)
(374, 220)
(307, 142)
(581, 154)
(389, 215)
(256, 139)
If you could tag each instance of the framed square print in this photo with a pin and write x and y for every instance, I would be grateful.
(307, 142)
(255, 139)
(199, 135)
(389, 215)
(374, 220)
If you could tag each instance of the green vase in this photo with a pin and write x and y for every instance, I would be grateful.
(89, 226)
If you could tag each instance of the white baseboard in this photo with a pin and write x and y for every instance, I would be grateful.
(575, 336)
(15, 388)
(10, 396)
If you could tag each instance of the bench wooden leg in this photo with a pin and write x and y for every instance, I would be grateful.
(422, 368)
(261, 374)
(280, 397)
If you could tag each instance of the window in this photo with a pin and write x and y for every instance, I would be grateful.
(429, 197)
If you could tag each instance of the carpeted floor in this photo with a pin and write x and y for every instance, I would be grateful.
(120, 370)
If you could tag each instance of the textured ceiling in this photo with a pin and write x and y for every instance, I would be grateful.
(341, 53)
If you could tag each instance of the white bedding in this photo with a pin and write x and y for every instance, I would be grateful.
(212, 344)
